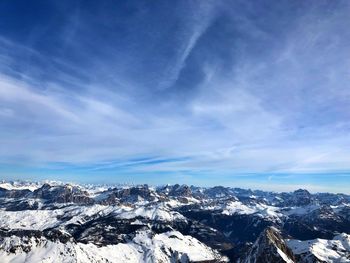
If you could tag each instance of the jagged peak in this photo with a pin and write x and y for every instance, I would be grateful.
(269, 247)
(302, 191)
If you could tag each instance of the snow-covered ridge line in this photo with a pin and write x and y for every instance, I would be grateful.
(169, 223)
(32, 185)
(229, 200)
(222, 191)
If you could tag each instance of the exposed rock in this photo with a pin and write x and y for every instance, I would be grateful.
(269, 247)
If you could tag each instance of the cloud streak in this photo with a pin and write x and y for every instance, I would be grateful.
(195, 28)
(227, 93)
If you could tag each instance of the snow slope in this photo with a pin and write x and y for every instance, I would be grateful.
(166, 247)
(263, 210)
(336, 250)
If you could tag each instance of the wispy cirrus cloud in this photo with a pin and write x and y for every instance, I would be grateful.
(195, 26)
(214, 90)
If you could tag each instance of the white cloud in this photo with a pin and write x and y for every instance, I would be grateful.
(286, 111)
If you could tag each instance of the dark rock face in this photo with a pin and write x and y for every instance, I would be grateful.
(179, 191)
(5, 193)
(268, 248)
(331, 199)
(127, 195)
(298, 198)
(237, 228)
(209, 236)
(20, 204)
(62, 194)
(134, 194)
(320, 223)
(104, 231)
(50, 194)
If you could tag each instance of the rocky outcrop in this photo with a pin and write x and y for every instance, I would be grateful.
(62, 194)
(5, 193)
(300, 197)
(269, 247)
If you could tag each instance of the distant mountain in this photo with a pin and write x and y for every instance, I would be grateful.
(58, 222)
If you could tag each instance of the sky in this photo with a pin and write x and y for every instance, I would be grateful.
(251, 94)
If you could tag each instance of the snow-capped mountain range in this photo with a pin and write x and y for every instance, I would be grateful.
(57, 222)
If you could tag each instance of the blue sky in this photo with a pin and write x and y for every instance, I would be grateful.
(252, 94)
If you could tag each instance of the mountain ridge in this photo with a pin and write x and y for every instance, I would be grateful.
(160, 224)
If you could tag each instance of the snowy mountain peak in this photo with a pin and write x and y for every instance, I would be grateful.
(58, 222)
